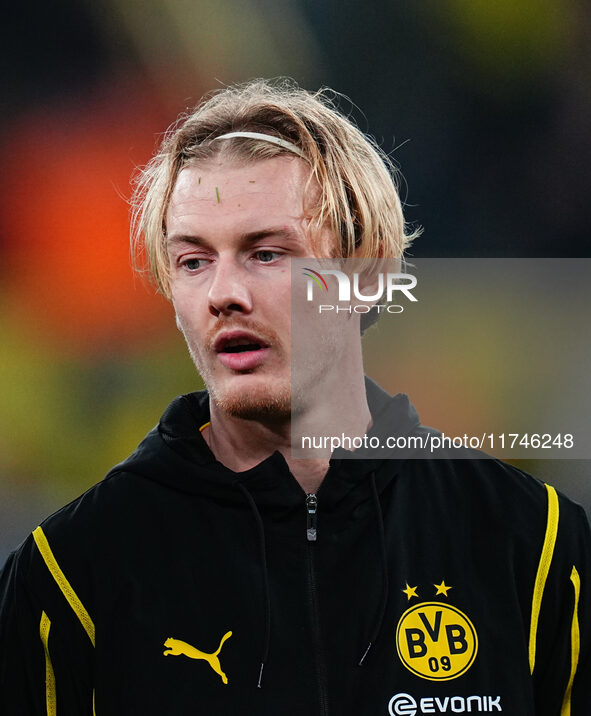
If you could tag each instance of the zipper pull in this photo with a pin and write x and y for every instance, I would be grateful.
(311, 507)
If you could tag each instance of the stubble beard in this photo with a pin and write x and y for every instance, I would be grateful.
(267, 400)
(261, 404)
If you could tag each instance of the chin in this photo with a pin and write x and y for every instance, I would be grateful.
(254, 403)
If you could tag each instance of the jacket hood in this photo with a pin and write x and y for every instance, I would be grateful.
(175, 454)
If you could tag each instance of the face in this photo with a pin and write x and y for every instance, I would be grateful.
(231, 231)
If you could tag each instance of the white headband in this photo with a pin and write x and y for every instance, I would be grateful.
(265, 138)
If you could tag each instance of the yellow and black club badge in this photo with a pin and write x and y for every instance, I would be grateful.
(435, 640)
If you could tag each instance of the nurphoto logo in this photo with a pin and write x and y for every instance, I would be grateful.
(388, 285)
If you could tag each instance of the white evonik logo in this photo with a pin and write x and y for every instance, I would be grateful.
(406, 705)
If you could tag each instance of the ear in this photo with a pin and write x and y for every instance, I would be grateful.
(178, 322)
(369, 281)
(369, 276)
(372, 276)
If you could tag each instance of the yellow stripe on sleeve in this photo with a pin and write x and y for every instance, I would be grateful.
(50, 697)
(62, 583)
(575, 643)
(543, 569)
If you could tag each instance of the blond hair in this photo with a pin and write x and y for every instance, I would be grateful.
(358, 196)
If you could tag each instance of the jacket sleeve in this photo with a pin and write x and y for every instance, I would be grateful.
(45, 660)
(580, 641)
(560, 648)
(22, 662)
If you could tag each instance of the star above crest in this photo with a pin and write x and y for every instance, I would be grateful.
(442, 588)
(410, 591)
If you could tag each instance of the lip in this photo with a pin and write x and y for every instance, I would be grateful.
(247, 360)
(244, 360)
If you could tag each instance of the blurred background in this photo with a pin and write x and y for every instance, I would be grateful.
(486, 107)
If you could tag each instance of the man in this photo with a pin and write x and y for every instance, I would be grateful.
(212, 572)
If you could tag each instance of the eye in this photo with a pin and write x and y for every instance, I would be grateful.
(193, 264)
(265, 256)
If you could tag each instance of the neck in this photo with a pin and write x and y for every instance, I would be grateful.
(240, 444)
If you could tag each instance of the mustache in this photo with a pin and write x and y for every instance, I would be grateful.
(267, 334)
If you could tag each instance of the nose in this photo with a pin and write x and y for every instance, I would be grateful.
(229, 290)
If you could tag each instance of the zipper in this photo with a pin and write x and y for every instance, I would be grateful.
(312, 522)
(311, 536)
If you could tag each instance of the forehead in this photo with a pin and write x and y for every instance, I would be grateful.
(225, 191)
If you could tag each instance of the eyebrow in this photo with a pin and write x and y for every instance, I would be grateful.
(248, 238)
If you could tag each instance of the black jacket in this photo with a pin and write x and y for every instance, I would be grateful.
(176, 586)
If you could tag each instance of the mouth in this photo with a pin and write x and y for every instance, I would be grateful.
(238, 342)
(241, 350)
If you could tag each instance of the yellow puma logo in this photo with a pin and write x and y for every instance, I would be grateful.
(176, 647)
